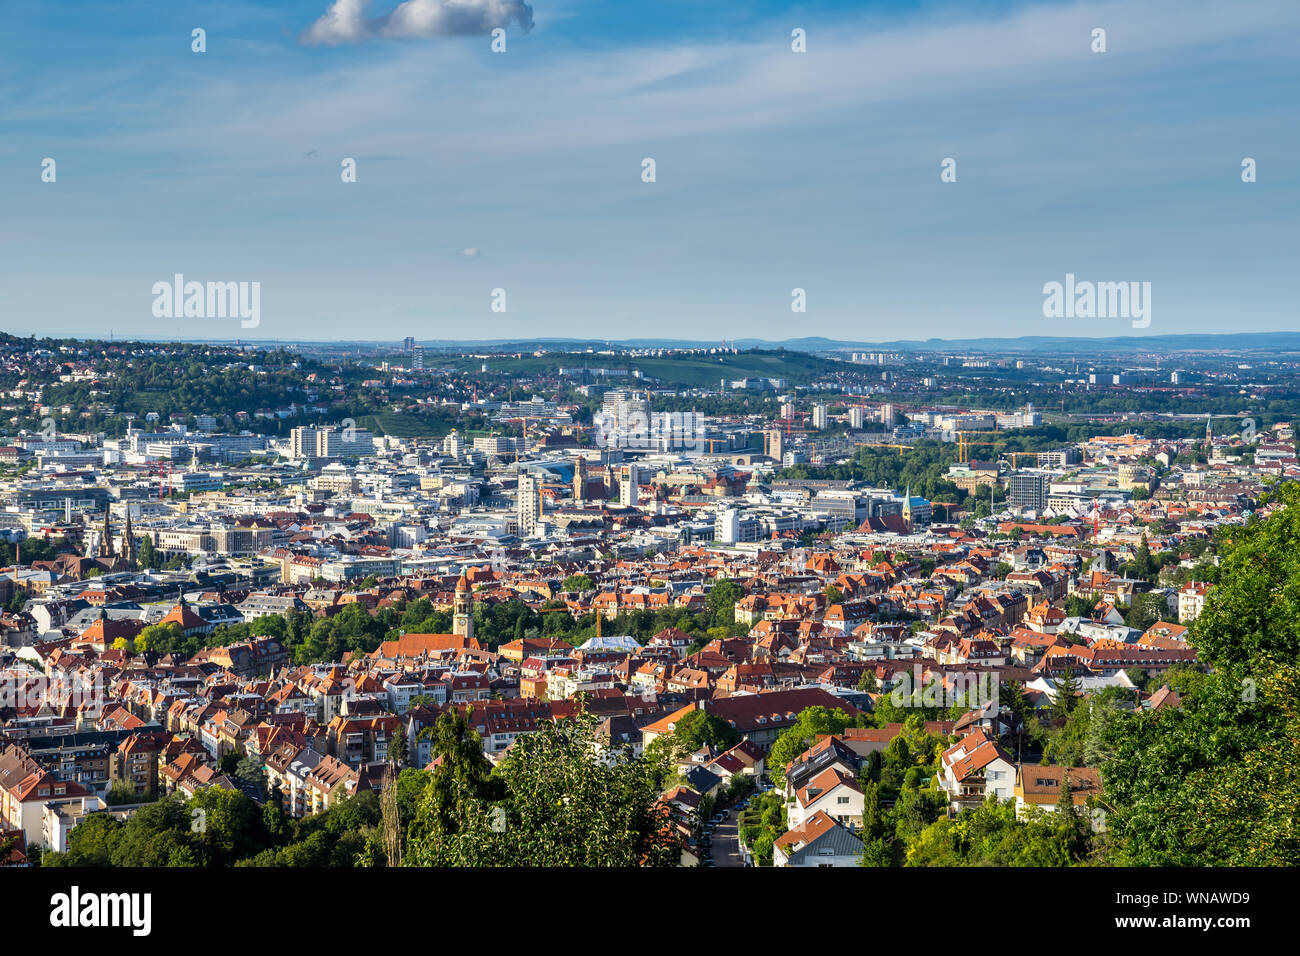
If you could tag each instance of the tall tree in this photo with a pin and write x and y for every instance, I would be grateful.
(1215, 781)
(1065, 698)
(563, 802)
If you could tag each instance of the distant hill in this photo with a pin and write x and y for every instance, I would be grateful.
(1231, 341)
(1271, 342)
(1189, 342)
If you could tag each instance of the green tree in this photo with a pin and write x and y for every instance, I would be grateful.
(147, 556)
(397, 747)
(1215, 781)
(1145, 610)
(722, 599)
(562, 803)
(699, 728)
(460, 770)
(1066, 695)
(1078, 605)
(121, 793)
(991, 835)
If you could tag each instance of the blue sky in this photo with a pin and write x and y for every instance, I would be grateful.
(775, 170)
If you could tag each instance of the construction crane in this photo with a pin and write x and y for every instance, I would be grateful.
(963, 445)
(789, 428)
(523, 422)
(1016, 455)
(881, 444)
(163, 469)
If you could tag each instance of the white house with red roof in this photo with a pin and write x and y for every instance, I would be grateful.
(976, 768)
(1191, 601)
(833, 792)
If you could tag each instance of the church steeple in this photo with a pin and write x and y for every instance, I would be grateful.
(107, 532)
(579, 479)
(462, 621)
(128, 542)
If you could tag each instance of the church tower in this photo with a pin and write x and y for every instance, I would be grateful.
(128, 542)
(580, 480)
(106, 534)
(463, 609)
(907, 508)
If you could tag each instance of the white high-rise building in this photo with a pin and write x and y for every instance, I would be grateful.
(330, 442)
(629, 486)
(819, 417)
(623, 420)
(452, 445)
(302, 442)
(529, 503)
(726, 527)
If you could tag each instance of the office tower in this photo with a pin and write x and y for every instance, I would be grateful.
(629, 486)
(774, 443)
(302, 442)
(530, 503)
(1028, 489)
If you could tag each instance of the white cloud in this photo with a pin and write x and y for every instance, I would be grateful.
(345, 21)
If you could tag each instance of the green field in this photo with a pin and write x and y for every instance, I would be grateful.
(401, 426)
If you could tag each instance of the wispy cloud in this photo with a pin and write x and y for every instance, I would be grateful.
(1068, 159)
(346, 21)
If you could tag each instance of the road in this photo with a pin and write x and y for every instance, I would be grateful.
(726, 842)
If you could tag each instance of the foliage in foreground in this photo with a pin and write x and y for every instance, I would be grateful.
(1217, 782)
(556, 800)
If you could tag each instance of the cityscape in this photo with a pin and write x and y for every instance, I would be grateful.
(445, 434)
(815, 609)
